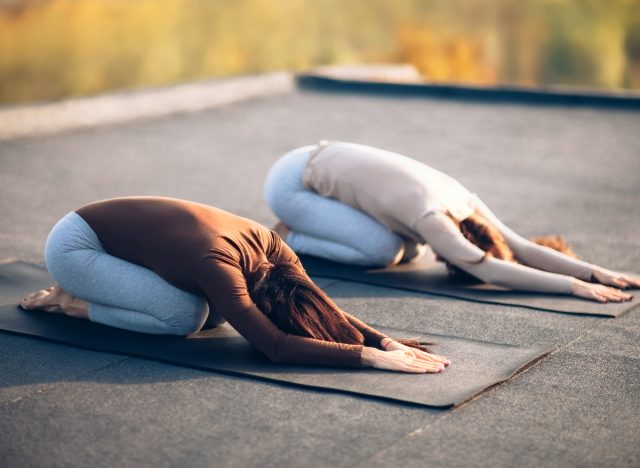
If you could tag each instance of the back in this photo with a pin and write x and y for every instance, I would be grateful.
(169, 235)
(395, 190)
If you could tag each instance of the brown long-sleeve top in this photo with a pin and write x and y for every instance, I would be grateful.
(210, 252)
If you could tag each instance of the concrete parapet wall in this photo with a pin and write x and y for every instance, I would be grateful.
(46, 118)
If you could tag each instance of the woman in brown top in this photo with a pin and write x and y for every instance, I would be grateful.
(161, 265)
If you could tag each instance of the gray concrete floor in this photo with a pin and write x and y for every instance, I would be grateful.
(544, 169)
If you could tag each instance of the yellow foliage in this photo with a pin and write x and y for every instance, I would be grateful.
(57, 48)
(442, 56)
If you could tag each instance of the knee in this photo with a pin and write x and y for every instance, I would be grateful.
(272, 187)
(275, 197)
(70, 248)
(278, 192)
(65, 269)
(56, 259)
(191, 319)
(383, 250)
(285, 179)
(214, 319)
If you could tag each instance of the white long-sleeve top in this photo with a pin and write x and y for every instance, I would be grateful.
(419, 202)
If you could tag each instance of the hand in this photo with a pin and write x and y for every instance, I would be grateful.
(392, 345)
(612, 278)
(398, 360)
(598, 292)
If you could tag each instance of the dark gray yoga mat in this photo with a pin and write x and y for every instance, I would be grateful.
(477, 365)
(431, 277)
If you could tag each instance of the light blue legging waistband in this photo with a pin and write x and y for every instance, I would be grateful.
(120, 294)
(322, 226)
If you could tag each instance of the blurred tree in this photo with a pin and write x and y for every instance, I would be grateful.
(56, 48)
(632, 49)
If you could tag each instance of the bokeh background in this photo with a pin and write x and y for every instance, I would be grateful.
(52, 49)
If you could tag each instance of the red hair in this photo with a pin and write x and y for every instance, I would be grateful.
(480, 232)
(288, 297)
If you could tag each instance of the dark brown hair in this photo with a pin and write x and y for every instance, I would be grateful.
(480, 232)
(288, 297)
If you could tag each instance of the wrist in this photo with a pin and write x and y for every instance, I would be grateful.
(576, 283)
(593, 275)
(384, 342)
(368, 356)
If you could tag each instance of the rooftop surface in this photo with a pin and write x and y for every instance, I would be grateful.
(543, 169)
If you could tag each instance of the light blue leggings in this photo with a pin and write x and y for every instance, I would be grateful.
(120, 294)
(322, 226)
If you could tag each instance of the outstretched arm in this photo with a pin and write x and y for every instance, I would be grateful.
(379, 350)
(376, 339)
(372, 337)
(226, 290)
(547, 259)
(534, 255)
(441, 233)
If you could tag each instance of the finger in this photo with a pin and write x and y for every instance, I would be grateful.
(411, 367)
(441, 359)
(435, 367)
(618, 282)
(413, 360)
(409, 370)
(405, 361)
(609, 292)
(624, 295)
(632, 282)
(627, 281)
(423, 355)
(434, 360)
(429, 367)
(617, 295)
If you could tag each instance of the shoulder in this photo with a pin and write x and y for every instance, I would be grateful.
(438, 221)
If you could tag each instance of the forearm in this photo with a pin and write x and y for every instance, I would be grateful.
(235, 305)
(372, 337)
(293, 349)
(514, 276)
(547, 259)
(537, 256)
(446, 239)
(287, 348)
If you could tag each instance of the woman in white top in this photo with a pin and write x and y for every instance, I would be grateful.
(361, 205)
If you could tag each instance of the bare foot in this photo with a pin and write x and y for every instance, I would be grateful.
(56, 300)
(49, 299)
(282, 230)
(412, 251)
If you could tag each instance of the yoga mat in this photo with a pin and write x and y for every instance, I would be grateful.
(477, 365)
(429, 276)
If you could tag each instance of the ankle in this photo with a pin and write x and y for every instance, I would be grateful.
(282, 230)
(74, 307)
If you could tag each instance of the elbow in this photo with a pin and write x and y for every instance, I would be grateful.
(277, 352)
(490, 278)
(275, 358)
(495, 278)
(523, 249)
(474, 270)
(485, 271)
